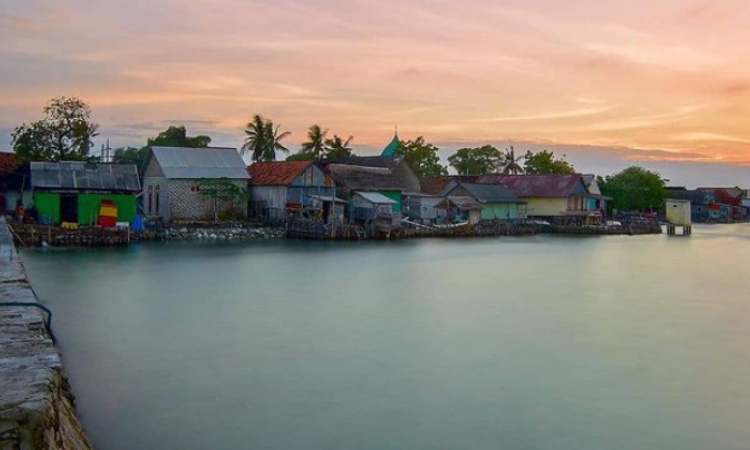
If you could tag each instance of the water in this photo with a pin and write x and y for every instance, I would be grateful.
(514, 343)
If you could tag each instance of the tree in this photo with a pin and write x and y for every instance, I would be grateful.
(299, 156)
(545, 163)
(174, 136)
(634, 189)
(177, 137)
(316, 144)
(337, 148)
(510, 162)
(263, 139)
(422, 157)
(476, 161)
(65, 133)
(222, 189)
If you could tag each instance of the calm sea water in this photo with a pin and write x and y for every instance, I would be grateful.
(514, 343)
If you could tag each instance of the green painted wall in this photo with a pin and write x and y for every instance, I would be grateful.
(396, 197)
(88, 207)
(48, 204)
(491, 211)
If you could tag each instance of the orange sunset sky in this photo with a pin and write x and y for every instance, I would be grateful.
(663, 83)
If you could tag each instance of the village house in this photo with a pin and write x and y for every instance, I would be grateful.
(550, 197)
(280, 188)
(727, 206)
(81, 193)
(496, 201)
(422, 208)
(700, 202)
(174, 177)
(388, 176)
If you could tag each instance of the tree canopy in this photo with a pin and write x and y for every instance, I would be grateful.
(263, 139)
(174, 136)
(338, 148)
(545, 163)
(65, 133)
(476, 161)
(422, 158)
(634, 189)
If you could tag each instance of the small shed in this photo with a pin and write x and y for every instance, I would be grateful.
(678, 212)
(461, 209)
(422, 207)
(371, 206)
(75, 191)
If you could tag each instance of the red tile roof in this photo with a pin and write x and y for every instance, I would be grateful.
(8, 162)
(535, 185)
(276, 173)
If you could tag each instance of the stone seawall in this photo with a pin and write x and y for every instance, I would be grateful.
(36, 404)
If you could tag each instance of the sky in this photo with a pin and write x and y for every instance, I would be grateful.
(663, 83)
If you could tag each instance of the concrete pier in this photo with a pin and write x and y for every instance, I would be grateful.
(36, 405)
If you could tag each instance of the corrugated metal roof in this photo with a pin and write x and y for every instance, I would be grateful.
(376, 198)
(276, 173)
(535, 185)
(435, 185)
(8, 162)
(488, 193)
(85, 176)
(205, 162)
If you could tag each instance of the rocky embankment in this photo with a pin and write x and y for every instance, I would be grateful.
(203, 232)
(36, 404)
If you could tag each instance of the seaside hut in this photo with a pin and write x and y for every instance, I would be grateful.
(559, 198)
(459, 209)
(174, 177)
(423, 207)
(496, 201)
(280, 188)
(373, 206)
(74, 192)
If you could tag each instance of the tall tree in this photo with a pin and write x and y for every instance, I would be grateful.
(174, 136)
(65, 133)
(316, 143)
(476, 161)
(545, 163)
(263, 139)
(422, 157)
(510, 162)
(177, 137)
(338, 148)
(634, 189)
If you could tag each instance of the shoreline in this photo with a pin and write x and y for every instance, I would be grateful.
(37, 406)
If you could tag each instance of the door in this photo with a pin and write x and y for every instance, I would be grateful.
(69, 208)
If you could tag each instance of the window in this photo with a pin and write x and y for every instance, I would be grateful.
(156, 194)
(150, 195)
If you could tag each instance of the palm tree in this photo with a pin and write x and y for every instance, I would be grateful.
(255, 142)
(510, 163)
(338, 148)
(273, 143)
(263, 139)
(315, 146)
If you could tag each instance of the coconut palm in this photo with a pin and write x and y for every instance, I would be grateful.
(263, 139)
(315, 146)
(255, 142)
(273, 143)
(338, 148)
(510, 162)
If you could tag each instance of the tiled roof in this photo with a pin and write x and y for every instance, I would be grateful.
(8, 162)
(276, 173)
(535, 185)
